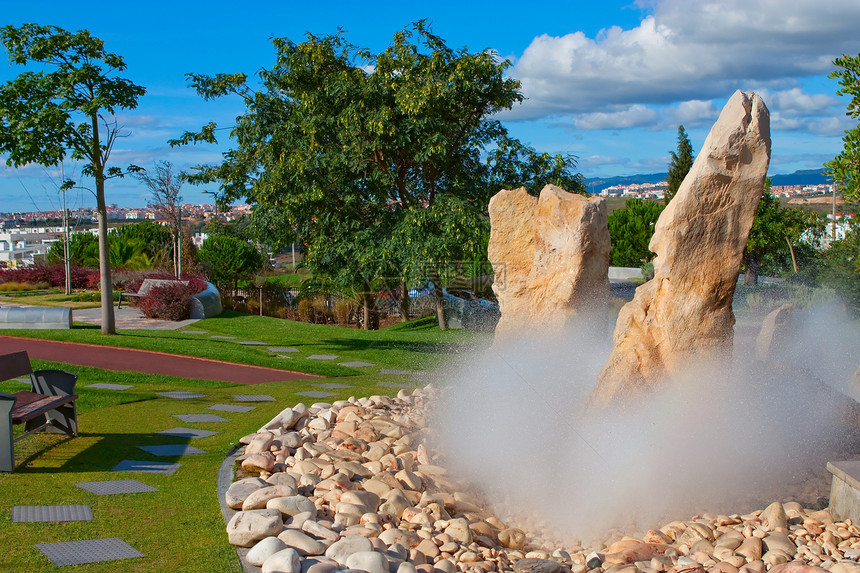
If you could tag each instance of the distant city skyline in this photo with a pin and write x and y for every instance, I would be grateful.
(608, 82)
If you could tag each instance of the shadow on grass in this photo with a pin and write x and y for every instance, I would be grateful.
(89, 452)
(359, 345)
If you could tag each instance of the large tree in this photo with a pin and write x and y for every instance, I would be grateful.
(67, 107)
(845, 167)
(228, 260)
(349, 145)
(682, 161)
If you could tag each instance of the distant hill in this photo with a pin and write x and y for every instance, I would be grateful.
(803, 177)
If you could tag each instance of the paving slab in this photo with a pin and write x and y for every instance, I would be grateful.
(48, 513)
(314, 394)
(223, 337)
(106, 386)
(282, 349)
(146, 467)
(199, 418)
(116, 487)
(357, 364)
(172, 450)
(88, 551)
(231, 408)
(322, 357)
(253, 398)
(181, 395)
(192, 433)
(333, 386)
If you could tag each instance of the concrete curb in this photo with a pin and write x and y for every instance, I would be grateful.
(225, 478)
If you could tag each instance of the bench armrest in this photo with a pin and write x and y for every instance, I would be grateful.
(8, 397)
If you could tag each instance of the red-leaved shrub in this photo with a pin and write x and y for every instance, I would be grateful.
(170, 302)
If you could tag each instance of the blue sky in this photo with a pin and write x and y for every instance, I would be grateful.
(607, 81)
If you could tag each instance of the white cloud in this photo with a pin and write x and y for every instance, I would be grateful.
(633, 116)
(694, 113)
(687, 51)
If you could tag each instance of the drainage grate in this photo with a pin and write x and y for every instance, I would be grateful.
(44, 513)
(116, 487)
(231, 408)
(199, 418)
(182, 395)
(253, 398)
(172, 450)
(188, 433)
(88, 551)
(146, 467)
(106, 386)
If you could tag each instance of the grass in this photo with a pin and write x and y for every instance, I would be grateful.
(50, 299)
(179, 528)
(414, 345)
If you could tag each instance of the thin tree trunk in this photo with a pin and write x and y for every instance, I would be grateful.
(440, 304)
(105, 283)
(404, 301)
(753, 265)
(791, 250)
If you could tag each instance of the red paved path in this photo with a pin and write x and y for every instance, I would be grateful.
(147, 361)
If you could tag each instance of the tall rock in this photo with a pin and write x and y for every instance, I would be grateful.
(684, 314)
(550, 256)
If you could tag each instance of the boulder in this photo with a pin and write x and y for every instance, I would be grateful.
(683, 316)
(241, 489)
(550, 257)
(774, 332)
(248, 527)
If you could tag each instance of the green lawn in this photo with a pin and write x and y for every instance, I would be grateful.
(180, 528)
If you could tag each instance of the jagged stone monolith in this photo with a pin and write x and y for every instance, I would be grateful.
(550, 256)
(774, 333)
(684, 314)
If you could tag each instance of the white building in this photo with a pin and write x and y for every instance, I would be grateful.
(21, 248)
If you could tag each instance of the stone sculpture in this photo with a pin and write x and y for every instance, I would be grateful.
(684, 314)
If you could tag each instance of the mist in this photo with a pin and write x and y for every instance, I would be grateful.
(729, 438)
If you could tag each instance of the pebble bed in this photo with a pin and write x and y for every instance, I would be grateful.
(351, 485)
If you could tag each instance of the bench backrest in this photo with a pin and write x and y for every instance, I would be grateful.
(14, 365)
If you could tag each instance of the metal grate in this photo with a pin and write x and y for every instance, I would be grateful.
(322, 357)
(282, 349)
(146, 467)
(116, 487)
(182, 395)
(314, 394)
(46, 513)
(231, 408)
(172, 450)
(356, 364)
(199, 418)
(253, 398)
(88, 551)
(106, 386)
(192, 433)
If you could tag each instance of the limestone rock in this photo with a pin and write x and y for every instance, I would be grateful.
(511, 251)
(248, 527)
(241, 489)
(258, 554)
(774, 332)
(284, 561)
(550, 257)
(684, 315)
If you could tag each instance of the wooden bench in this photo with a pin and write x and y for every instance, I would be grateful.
(146, 287)
(49, 404)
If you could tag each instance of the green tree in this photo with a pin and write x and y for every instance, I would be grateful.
(630, 230)
(46, 114)
(155, 239)
(840, 268)
(348, 144)
(79, 245)
(845, 168)
(774, 234)
(228, 260)
(681, 163)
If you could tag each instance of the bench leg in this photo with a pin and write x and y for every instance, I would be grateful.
(63, 420)
(7, 450)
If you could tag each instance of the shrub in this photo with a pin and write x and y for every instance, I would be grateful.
(343, 311)
(170, 302)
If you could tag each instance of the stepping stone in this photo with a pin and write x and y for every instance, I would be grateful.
(223, 337)
(181, 395)
(192, 433)
(146, 467)
(194, 332)
(282, 349)
(172, 450)
(253, 398)
(105, 386)
(115, 487)
(314, 394)
(322, 357)
(88, 551)
(252, 343)
(332, 386)
(356, 364)
(231, 408)
(199, 418)
(46, 513)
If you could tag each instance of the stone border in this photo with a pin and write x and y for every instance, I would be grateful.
(225, 478)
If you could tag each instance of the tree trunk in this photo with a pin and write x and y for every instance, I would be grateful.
(440, 304)
(105, 283)
(371, 317)
(753, 264)
(404, 301)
